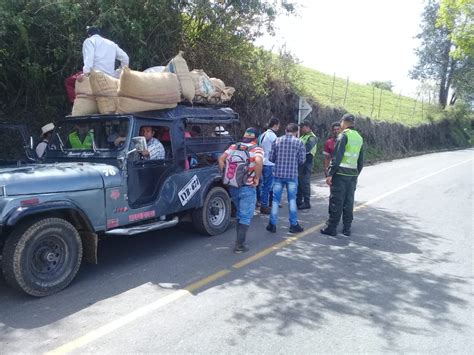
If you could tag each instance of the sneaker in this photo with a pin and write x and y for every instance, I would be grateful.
(329, 231)
(346, 231)
(240, 248)
(265, 210)
(271, 228)
(296, 228)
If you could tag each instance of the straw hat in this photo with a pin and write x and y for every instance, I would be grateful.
(47, 128)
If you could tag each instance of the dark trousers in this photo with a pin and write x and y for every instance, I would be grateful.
(304, 184)
(341, 200)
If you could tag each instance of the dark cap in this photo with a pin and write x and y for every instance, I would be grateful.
(250, 135)
(348, 117)
(92, 30)
(305, 124)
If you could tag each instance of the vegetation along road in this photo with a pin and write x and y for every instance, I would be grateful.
(402, 282)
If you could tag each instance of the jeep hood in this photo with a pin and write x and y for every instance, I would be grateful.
(59, 177)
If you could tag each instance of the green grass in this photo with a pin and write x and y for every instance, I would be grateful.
(366, 100)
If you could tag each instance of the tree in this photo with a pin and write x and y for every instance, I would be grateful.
(383, 85)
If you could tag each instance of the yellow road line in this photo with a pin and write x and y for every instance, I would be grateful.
(143, 311)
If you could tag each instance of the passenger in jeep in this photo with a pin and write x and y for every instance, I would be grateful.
(81, 138)
(155, 150)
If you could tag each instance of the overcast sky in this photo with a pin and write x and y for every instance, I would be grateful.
(363, 39)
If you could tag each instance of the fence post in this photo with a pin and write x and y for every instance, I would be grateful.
(345, 94)
(414, 106)
(332, 89)
(380, 102)
(396, 106)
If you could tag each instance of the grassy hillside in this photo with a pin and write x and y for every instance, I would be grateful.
(365, 100)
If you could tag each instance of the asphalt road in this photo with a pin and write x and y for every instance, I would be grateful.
(403, 282)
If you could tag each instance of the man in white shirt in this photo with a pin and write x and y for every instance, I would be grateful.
(46, 132)
(266, 182)
(100, 54)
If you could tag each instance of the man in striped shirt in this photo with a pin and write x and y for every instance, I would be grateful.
(287, 153)
(245, 197)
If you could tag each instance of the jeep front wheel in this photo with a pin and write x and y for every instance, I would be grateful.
(43, 257)
(214, 216)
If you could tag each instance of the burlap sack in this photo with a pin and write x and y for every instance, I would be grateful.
(83, 87)
(179, 66)
(127, 105)
(84, 105)
(202, 85)
(104, 87)
(161, 88)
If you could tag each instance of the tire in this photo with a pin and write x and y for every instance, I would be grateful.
(214, 216)
(43, 257)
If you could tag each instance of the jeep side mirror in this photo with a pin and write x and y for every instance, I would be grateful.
(139, 144)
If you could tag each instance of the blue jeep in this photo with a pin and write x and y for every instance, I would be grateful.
(54, 212)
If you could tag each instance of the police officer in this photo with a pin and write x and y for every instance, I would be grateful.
(344, 169)
(81, 138)
(304, 171)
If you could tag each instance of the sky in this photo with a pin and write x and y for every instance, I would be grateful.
(364, 39)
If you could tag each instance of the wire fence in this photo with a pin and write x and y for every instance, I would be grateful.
(368, 100)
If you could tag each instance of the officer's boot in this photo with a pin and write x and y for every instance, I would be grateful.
(240, 247)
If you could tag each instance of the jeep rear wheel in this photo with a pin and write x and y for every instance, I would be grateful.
(43, 257)
(214, 216)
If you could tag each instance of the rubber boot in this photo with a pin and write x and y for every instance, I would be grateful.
(241, 236)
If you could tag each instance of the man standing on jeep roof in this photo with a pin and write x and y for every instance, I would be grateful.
(287, 153)
(245, 196)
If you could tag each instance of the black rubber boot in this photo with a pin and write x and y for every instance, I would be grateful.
(241, 236)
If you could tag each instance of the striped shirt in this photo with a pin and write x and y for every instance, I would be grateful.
(254, 152)
(287, 153)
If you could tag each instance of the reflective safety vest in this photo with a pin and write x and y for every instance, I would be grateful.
(76, 143)
(348, 164)
(305, 138)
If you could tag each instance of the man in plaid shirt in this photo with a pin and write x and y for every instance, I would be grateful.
(287, 153)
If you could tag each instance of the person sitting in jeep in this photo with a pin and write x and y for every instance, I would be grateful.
(155, 150)
(81, 138)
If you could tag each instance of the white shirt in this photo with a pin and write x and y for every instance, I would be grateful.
(40, 148)
(100, 53)
(267, 141)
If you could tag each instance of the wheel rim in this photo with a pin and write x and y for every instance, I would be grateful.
(217, 211)
(48, 259)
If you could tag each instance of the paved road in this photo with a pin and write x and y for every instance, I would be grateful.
(402, 282)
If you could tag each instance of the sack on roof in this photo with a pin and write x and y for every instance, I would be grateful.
(160, 88)
(179, 66)
(202, 85)
(84, 103)
(127, 104)
(104, 87)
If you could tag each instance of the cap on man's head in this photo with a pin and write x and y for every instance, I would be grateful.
(305, 124)
(92, 30)
(348, 117)
(47, 128)
(220, 131)
(335, 124)
(250, 135)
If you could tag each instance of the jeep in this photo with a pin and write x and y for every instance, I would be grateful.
(96, 180)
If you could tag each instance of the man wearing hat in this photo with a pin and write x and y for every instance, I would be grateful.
(344, 169)
(245, 197)
(46, 133)
(304, 171)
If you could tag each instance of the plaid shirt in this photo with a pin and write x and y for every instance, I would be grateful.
(287, 153)
(156, 149)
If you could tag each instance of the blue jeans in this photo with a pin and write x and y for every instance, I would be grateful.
(244, 198)
(266, 183)
(292, 188)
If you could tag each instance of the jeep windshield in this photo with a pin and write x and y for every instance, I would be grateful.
(102, 137)
(14, 145)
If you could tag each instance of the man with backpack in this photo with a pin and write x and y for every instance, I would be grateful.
(265, 141)
(241, 165)
(287, 153)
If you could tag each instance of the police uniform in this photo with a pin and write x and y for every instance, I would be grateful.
(345, 167)
(303, 196)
